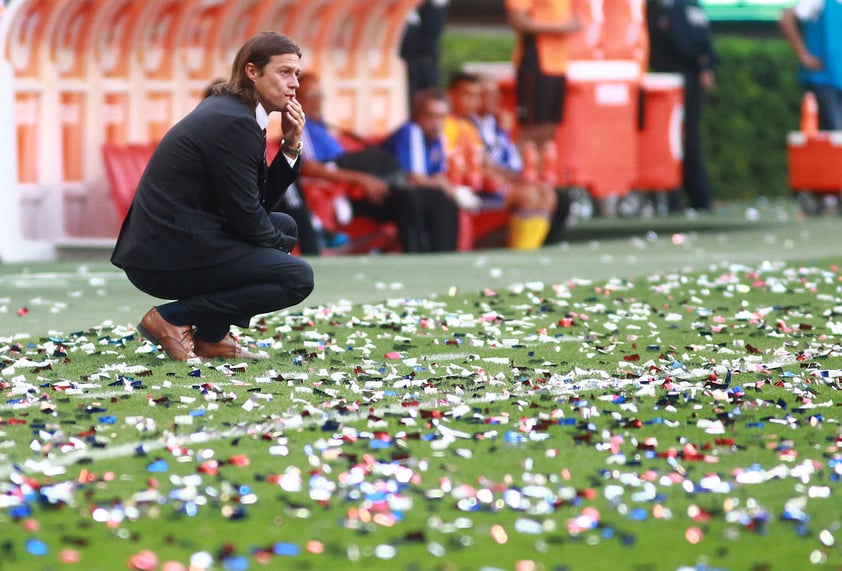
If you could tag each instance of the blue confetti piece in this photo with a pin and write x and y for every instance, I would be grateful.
(286, 549)
(197, 412)
(18, 512)
(237, 563)
(36, 547)
(638, 514)
(107, 419)
(378, 444)
(195, 373)
(158, 466)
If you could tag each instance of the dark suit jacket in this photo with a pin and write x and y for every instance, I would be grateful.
(205, 195)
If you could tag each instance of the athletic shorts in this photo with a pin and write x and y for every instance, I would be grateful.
(540, 97)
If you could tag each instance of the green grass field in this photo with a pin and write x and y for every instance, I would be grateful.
(652, 395)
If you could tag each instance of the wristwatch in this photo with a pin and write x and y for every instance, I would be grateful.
(292, 153)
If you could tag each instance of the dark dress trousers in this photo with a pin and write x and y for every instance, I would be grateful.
(202, 228)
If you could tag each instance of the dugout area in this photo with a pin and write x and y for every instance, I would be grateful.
(79, 74)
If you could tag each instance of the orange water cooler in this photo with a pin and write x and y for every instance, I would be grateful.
(597, 138)
(659, 136)
(815, 160)
(815, 167)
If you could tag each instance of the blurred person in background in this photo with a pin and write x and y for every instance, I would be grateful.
(531, 202)
(420, 45)
(418, 145)
(384, 192)
(814, 30)
(495, 128)
(680, 42)
(543, 28)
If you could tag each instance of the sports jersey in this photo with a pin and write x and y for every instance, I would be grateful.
(552, 48)
(821, 24)
(416, 154)
(317, 143)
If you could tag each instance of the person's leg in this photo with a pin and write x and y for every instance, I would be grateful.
(400, 206)
(695, 177)
(829, 100)
(558, 220)
(439, 219)
(293, 204)
(532, 206)
(541, 100)
(213, 298)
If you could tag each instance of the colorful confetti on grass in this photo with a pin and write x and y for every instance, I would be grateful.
(686, 421)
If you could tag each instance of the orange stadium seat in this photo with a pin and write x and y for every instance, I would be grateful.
(124, 165)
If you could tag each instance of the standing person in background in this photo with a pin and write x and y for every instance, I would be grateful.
(543, 28)
(202, 229)
(814, 30)
(420, 45)
(680, 42)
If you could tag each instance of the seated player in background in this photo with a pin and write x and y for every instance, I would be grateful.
(532, 203)
(426, 216)
(495, 128)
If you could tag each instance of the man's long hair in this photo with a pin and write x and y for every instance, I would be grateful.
(258, 50)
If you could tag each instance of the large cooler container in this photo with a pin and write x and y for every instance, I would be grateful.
(597, 138)
(815, 167)
(659, 137)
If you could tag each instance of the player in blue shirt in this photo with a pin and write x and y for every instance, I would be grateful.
(814, 30)
(426, 216)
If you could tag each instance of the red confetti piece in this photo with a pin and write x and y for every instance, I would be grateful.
(239, 460)
(694, 535)
(211, 468)
(143, 561)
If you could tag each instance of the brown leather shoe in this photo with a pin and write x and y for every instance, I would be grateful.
(175, 340)
(228, 348)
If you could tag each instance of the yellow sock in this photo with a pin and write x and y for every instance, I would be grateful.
(527, 232)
